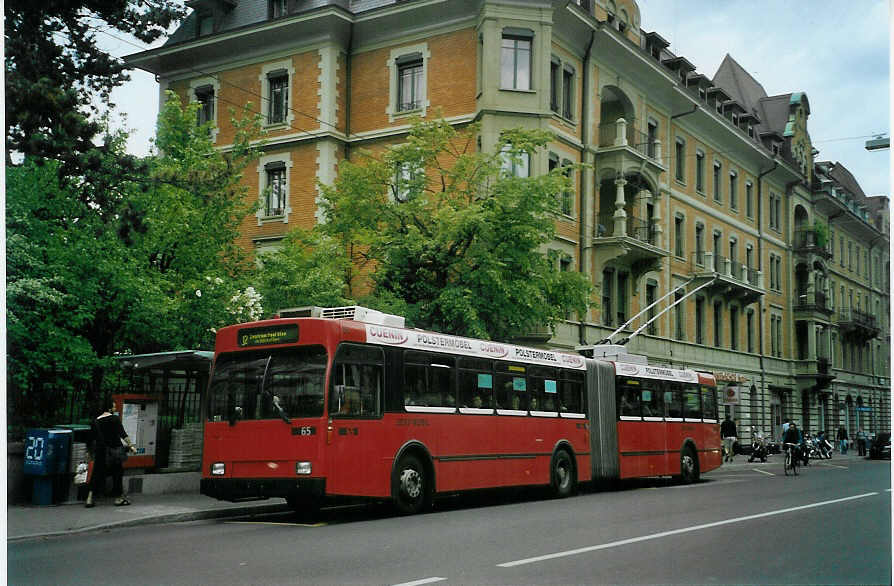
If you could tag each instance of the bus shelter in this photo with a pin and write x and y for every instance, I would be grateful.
(161, 396)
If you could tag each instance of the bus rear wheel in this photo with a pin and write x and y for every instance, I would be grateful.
(562, 475)
(410, 486)
(688, 466)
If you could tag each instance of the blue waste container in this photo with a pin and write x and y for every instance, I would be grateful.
(46, 458)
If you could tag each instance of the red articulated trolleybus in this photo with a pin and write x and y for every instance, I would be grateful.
(347, 402)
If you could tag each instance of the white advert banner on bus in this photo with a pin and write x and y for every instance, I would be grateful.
(641, 370)
(469, 347)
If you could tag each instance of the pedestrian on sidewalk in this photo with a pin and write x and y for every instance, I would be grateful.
(861, 442)
(728, 435)
(842, 440)
(109, 449)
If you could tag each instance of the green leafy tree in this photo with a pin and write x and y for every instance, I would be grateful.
(79, 292)
(55, 70)
(309, 269)
(451, 239)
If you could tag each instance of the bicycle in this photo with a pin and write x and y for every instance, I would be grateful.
(791, 459)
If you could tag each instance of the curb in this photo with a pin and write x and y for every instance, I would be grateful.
(164, 518)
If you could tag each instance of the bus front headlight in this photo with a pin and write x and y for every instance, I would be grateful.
(303, 468)
(218, 469)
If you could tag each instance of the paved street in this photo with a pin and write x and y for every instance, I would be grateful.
(742, 524)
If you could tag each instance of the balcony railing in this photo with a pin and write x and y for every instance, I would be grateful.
(702, 261)
(812, 302)
(622, 133)
(634, 228)
(808, 240)
(857, 318)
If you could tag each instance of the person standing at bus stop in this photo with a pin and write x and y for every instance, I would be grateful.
(109, 442)
(728, 435)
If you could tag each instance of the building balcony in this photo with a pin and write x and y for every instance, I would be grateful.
(621, 140)
(732, 279)
(817, 373)
(857, 324)
(845, 211)
(811, 306)
(629, 241)
(807, 241)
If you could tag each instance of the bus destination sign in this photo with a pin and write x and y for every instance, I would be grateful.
(284, 334)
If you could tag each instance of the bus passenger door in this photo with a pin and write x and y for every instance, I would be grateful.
(354, 465)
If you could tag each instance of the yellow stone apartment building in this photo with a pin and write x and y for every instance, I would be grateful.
(697, 182)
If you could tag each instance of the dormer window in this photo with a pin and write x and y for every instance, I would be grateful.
(204, 24)
(277, 8)
(751, 131)
(703, 94)
(735, 119)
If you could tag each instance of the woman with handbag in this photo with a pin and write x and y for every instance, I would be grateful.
(110, 448)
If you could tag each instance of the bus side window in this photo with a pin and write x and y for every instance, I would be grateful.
(512, 392)
(629, 400)
(357, 381)
(442, 382)
(673, 397)
(709, 402)
(415, 388)
(571, 393)
(692, 404)
(653, 399)
(543, 388)
(476, 383)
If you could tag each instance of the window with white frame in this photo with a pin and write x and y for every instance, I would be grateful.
(749, 199)
(718, 186)
(567, 203)
(555, 69)
(515, 59)
(408, 81)
(733, 190)
(205, 99)
(679, 235)
(275, 189)
(411, 82)
(277, 96)
(680, 160)
(700, 171)
(567, 92)
(204, 92)
(407, 181)
(515, 165)
(275, 81)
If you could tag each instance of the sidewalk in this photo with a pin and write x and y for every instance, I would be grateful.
(741, 460)
(29, 521)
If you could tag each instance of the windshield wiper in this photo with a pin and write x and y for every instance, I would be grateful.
(276, 403)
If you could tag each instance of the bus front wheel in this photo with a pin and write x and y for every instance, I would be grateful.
(562, 475)
(410, 485)
(688, 466)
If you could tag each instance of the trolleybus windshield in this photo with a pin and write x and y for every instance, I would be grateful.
(296, 376)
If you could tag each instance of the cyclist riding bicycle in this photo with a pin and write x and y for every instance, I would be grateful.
(791, 440)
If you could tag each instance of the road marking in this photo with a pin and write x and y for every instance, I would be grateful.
(763, 472)
(581, 550)
(275, 523)
(422, 581)
(833, 466)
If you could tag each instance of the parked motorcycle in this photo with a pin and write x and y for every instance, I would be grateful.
(759, 447)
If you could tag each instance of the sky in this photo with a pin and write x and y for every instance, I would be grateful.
(836, 52)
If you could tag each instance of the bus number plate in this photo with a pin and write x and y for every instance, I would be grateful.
(304, 430)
